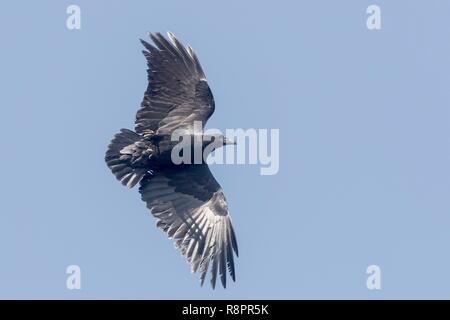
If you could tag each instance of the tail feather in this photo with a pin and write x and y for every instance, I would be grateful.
(121, 155)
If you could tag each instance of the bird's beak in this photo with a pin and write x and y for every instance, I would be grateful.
(228, 141)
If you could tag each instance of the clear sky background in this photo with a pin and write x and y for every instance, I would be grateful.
(364, 154)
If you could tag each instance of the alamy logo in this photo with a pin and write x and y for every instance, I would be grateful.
(74, 279)
(374, 19)
(73, 21)
(251, 146)
(374, 280)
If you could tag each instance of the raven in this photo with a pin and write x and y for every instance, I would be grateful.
(188, 203)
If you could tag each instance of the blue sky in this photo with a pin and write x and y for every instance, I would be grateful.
(364, 148)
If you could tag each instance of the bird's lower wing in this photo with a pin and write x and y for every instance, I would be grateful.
(192, 210)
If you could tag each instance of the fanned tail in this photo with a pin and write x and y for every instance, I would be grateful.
(126, 156)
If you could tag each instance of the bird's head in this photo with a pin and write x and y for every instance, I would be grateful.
(212, 142)
(217, 140)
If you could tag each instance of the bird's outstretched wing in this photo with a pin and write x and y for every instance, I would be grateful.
(192, 210)
(177, 92)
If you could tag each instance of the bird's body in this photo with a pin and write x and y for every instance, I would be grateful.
(185, 198)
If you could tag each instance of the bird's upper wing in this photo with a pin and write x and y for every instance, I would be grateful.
(192, 210)
(177, 93)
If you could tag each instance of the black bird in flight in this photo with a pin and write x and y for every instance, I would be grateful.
(188, 203)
